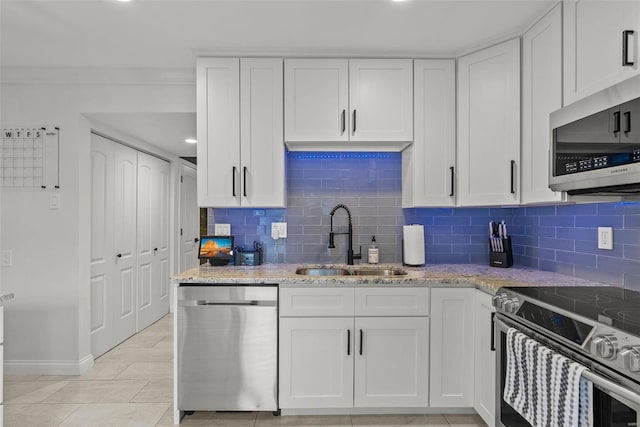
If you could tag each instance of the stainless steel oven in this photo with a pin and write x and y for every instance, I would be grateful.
(614, 374)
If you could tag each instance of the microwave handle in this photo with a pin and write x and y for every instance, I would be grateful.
(604, 384)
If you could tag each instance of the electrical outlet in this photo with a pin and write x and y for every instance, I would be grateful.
(6, 258)
(222, 229)
(278, 230)
(605, 238)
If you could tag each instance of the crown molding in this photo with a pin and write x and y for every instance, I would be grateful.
(97, 76)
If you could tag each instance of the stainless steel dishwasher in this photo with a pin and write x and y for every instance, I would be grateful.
(227, 348)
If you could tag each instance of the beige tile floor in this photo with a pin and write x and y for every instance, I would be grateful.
(131, 385)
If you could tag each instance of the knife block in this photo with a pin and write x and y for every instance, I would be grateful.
(501, 259)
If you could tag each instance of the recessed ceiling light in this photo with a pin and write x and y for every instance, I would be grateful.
(191, 141)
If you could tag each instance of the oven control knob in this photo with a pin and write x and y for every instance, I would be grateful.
(511, 305)
(631, 358)
(605, 346)
(498, 300)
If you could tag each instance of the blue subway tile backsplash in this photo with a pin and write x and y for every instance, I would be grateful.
(559, 238)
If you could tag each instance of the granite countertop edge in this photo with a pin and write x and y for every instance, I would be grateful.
(483, 277)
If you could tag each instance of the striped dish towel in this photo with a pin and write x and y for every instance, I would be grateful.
(546, 388)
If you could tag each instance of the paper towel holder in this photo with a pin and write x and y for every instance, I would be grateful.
(420, 256)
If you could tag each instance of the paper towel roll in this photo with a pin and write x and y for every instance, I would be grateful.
(413, 244)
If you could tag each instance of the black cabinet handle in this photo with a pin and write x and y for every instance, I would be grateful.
(155, 249)
(348, 342)
(244, 181)
(513, 177)
(361, 342)
(493, 338)
(233, 182)
(354, 122)
(453, 174)
(118, 255)
(625, 48)
(616, 122)
(196, 240)
(344, 122)
(627, 122)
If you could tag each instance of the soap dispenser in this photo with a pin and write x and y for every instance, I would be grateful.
(374, 254)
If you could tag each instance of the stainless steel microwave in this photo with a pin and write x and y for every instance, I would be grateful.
(596, 143)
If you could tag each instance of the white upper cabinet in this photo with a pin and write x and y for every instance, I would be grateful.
(597, 45)
(428, 165)
(541, 94)
(381, 99)
(239, 120)
(489, 125)
(333, 101)
(316, 99)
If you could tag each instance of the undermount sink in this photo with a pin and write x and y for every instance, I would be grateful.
(320, 271)
(379, 272)
(365, 271)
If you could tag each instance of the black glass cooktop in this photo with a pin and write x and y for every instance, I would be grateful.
(611, 306)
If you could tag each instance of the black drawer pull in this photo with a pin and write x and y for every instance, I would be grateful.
(348, 342)
(453, 174)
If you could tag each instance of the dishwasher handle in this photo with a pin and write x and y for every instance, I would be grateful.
(240, 303)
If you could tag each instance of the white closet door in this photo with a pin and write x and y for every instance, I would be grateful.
(160, 289)
(189, 219)
(113, 244)
(102, 281)
(153, 239)
(125, 242)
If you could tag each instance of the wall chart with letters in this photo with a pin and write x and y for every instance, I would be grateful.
(29, 158)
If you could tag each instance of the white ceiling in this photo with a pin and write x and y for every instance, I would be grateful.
(172, 33)
(164, 130)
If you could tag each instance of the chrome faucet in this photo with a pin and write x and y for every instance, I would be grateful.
(350, 255)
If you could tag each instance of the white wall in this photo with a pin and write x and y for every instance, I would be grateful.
(47, 325)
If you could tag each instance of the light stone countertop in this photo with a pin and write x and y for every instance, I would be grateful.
(488, 279)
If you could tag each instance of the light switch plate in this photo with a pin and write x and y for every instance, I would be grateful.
(222, 229)
(605, 238)
(278, 230)
(54, 201)
(6, 260)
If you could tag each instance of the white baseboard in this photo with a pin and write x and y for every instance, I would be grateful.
(376, 411)
(48, 367)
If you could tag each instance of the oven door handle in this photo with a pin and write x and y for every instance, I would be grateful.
(603, 383)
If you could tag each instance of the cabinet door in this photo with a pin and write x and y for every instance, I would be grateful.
(218, 123)
(316, 362)
(428, 177)
(593, 39)
(541, 94)
(489, 125)
(262, 145)
(485, 359)
(451, 348)
(392, 362)
(381, 99)
(630, 122)
(316, 100)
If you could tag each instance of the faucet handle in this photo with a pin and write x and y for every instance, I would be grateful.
(331, 244)
(359, 254)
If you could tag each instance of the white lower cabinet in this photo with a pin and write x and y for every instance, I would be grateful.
(391, 367)
(316, 362)
(452, 348)
(347, 361)
(485, 359)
